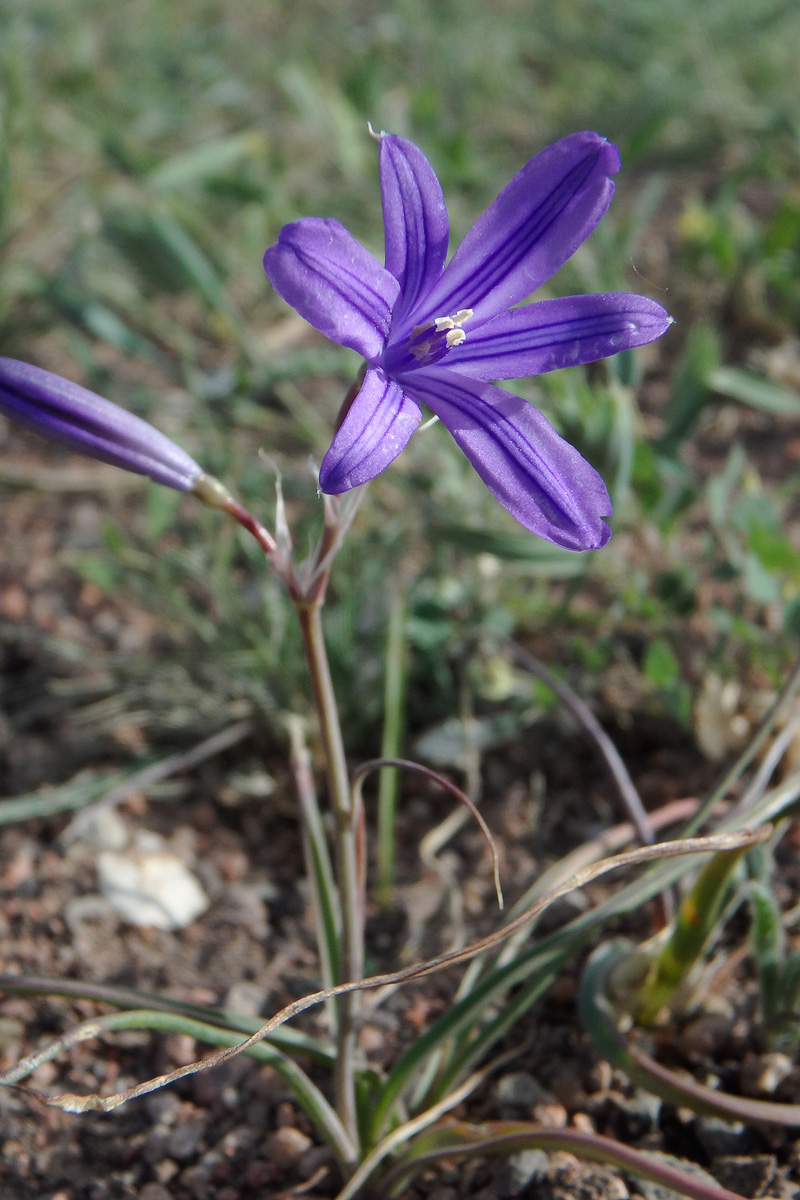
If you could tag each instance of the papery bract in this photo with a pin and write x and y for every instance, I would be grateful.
(440, 335)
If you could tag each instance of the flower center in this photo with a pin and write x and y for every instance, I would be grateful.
(430, 342)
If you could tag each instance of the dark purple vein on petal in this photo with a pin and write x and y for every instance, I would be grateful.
(369, 303)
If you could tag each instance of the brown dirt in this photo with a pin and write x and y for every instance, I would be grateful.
(234, 1133)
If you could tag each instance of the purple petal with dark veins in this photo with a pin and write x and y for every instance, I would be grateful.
(415, 220)
(536, 223)
(67, 413)
(542, 480)
(334, 283)
(375, 429)
(557, 333)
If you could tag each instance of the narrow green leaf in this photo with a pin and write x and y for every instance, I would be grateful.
(755, 391)
(691, 390)
(692, 927)
(208, 160)
(766, 938)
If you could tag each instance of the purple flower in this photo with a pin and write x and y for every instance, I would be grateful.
(439, 335)
(67, 413)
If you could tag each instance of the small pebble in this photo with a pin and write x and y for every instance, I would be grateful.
(181, 1048)
(599, 1078)
(747, 1176)
(706, 1035)
(101, 828)
(13, 603)
(258, 1173)
(285, 1147)
(718, 1137)
(658, 1191)
(152, 1191)
(185, 1139)
(565, 1086)
(553, 1115)
(520, 1090)
(166, 1170)
(762, 1074)
(517, 1172)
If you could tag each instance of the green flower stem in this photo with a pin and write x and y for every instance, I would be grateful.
(324, 893)
(394, 697)
(346, 841)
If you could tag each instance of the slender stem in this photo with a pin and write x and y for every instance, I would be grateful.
(346, 842)
(394, 696)
(631, 800)
(321, 879)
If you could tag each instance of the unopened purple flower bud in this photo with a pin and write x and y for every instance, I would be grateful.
(65, 412)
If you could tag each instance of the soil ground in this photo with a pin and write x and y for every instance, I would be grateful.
(234, 1133)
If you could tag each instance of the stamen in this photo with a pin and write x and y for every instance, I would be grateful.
(430, 341)
(457, 319)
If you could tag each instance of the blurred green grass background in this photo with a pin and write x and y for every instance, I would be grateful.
(150, 151)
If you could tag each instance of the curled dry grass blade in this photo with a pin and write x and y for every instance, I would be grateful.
(93, 1102)
(307, 1094)
(537, 965)
(291, 1041)
(404, 764)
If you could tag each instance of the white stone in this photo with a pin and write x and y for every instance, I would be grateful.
(150, 886)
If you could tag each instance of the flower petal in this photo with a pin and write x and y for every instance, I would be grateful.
(536, 223)
(541, 479)
(375, 429)
(64, 412)
(332, 281)
(414, 217)
(557, 333)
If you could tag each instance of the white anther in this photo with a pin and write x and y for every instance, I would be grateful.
(443, 324)
(454, 338)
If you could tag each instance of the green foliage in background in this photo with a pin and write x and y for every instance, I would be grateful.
(150, 151)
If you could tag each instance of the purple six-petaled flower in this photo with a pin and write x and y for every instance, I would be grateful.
(440, 335)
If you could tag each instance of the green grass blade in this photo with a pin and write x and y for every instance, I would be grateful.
(767, 940)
